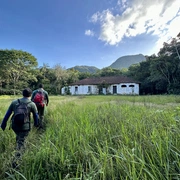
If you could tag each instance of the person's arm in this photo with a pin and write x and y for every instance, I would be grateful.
(47, 99)
(35, 115)
(36, 119)
(6, 117)
(32, 97)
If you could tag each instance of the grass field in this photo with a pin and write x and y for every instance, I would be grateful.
(99, 138)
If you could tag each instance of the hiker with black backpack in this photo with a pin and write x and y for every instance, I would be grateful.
(41, 99)
(21, 119)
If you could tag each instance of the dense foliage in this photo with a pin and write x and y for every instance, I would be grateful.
(90, 69)
(158, 74)
(126, 61)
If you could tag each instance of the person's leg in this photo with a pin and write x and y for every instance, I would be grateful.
(41, 116)
(20, 140)
(20, 147)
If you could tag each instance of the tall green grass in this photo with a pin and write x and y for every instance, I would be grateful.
(100, 138)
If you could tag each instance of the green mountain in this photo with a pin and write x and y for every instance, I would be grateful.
(122, 62)
(126, 61)
(90, 69)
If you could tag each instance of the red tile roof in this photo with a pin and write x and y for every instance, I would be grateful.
(107, 80)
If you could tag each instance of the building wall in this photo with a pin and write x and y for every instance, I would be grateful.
(123, 88)
(82, 89)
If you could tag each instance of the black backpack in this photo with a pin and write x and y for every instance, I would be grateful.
(21, 113)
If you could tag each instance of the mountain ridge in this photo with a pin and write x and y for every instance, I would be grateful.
(126, 61)
(84, 68)
(120, 63)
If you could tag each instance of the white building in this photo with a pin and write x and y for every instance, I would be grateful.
(103, 85)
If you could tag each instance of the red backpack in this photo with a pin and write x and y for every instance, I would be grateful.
(39, 99)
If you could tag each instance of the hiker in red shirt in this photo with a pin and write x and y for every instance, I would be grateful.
(41, 99)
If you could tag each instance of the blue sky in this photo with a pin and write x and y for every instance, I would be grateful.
(87, 32)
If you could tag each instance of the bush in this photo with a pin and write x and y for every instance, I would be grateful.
(10, 92)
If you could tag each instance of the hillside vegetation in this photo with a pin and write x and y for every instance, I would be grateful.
(120, 63)
(99, 138)
(83, 69)
(127, 61)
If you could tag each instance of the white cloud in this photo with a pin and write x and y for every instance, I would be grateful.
(158, 17)
(171, 32)
(89, 33)
(95, 17)
(122, 3)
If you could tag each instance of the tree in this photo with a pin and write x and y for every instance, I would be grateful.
(61, 76)
(172, 48)
(72, 76)
(108, 71)
(16, 68)
(141, 73)
(84, 75)
(165, 72)
(45, 75)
